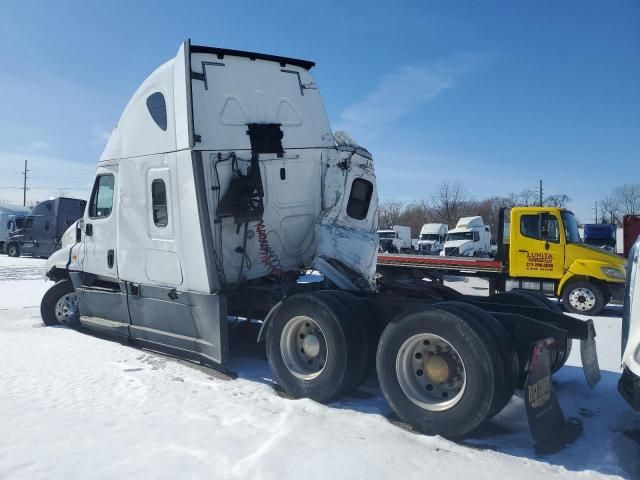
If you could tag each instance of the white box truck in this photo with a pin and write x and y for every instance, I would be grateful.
(11, 219)
(432, 237)
(221, 183)
(470, 238)
(396, 239)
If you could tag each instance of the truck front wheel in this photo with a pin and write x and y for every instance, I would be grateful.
(314, 348)
(586, 298)
(13, 250)
(60, 305)
(438, 371)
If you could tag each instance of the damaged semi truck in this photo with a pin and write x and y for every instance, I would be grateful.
(220, 185)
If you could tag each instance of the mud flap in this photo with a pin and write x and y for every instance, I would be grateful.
(546, 420)
(589, 356)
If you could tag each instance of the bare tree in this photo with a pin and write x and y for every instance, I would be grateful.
(559, 200)
(528, 198)
(627, 197)
(609, 208)
(448, 202)
(389, 213)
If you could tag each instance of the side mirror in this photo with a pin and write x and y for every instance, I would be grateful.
(79, 226)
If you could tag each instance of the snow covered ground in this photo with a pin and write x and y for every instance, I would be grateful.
(76, 406)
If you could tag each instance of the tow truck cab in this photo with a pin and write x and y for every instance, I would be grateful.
(545, 253)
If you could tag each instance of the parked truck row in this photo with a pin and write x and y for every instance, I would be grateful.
(222, 182)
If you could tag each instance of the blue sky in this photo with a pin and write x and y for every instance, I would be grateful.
(495, 95)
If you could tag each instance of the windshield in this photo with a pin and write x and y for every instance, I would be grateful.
(19, 222)
(570, 227)
(429, 236)
(387, 234)
(460, 236)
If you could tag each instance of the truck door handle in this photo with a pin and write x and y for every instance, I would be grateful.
(523, 251)
(88, 229)
(110, 258)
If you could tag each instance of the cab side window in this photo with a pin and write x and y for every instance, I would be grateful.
(476, 236)
(102, 197)
(28, 223)
(159, 203)
(359, 199)
(541, 226)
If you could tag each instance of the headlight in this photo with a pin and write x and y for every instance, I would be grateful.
(613, 273)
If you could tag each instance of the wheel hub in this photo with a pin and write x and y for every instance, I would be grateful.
(66, 309)
(438, 368)
(430, 372)
(303, 348)
(582, 299)
(311, 346)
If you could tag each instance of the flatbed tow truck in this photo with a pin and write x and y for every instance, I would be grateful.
(540, 252)
(221, 183)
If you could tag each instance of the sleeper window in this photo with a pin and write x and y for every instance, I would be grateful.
(159, 203)
(102, 197)
(359, 199)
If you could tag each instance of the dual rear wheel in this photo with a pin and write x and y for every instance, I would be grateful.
(444, 369)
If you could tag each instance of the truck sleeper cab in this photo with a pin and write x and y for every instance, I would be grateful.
(221, 183)
(432, 238)
(470, 238)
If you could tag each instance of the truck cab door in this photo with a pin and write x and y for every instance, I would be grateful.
(103, 299)
(539, 246)
(27, 242)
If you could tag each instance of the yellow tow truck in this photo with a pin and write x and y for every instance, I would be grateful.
(539, 249)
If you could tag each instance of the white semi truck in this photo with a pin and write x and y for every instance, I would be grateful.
(470, 238)
(220, 184)
(629, 384)
(432, 237)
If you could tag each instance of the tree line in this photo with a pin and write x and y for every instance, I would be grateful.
(450, 202)
(623, 200)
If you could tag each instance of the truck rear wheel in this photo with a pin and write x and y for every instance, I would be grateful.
(59, 305)
(368, 335)
(585, 298)
(13, 250)
(438, 370)
(507, 384)
(313, 347)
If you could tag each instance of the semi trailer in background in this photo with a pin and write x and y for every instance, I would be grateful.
(600, 235)
(11, 219)
(221, 183)
(43, 227)
(630, 232)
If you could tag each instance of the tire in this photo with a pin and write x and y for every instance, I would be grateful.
(369, 331)
(52, 312)
(582, 297)
(13, 250)
(505, 386)
(329, 361)
(472, 398)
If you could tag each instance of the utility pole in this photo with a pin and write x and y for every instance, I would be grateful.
(596, 207)
(24, 187)
(540, 192)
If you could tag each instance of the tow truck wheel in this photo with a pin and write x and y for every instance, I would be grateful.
(313, 348)
(582, 297)
(59, 305)
(510, 368)
(13, 250)
(437, 370)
